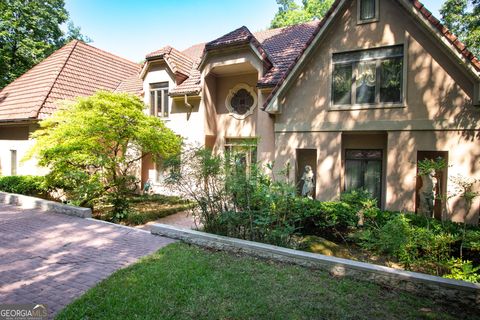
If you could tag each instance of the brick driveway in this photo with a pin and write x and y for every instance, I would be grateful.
(53, 258)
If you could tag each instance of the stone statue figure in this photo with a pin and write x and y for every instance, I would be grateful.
(427, 194)
(308, 179)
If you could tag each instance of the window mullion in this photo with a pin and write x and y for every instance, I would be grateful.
(377, 81)
(156, 103)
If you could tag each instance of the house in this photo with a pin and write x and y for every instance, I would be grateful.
(77, 69)
(360, 96)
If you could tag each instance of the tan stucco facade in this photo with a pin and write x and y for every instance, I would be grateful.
(436, 114)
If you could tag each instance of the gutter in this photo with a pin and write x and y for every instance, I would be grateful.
(15, 121)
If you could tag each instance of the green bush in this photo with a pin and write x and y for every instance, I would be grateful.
(463, 270)
(27, 185)
(246, 203)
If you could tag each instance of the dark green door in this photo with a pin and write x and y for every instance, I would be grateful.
(363, 170)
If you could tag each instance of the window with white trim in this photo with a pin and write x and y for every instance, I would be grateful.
(159, 99)
(368, 77)
(367, 11)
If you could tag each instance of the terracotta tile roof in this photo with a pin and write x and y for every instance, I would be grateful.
(235, 37)
(191, 86)
(132, 84)
(178, 62)
(195, 52)
(284, 46)
(447, 34)
(281, 47)
(76, 69)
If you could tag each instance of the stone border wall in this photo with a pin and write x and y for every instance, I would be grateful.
(27, 202)
(443, 290)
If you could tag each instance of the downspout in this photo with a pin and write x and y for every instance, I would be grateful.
(189, 106)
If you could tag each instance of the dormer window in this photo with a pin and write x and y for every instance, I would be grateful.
(367, 11)
(241, 101)
(159, 99)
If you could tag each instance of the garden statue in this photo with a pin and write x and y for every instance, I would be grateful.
(427, 194)
(308, 182)
(147, 188)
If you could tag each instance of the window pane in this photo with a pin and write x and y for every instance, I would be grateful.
(367, 9)
(373, 178)
(152, 103)
(242, 101)
(342, 84)
(165, 103)
(366, 82)
(353, 175)
(159, 103)
(391, 80)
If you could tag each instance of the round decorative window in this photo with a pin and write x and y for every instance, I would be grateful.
(241, 101)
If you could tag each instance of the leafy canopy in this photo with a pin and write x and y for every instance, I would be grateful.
(462, 17)
(290, 13)
(93, 146)
(30, 30)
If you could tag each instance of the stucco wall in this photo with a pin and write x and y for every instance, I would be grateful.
(437, 89)
(463, 159)
(222, 73)
(438, 95)
(181, 121)
(16, 137)
(186, 122)
(328, 146)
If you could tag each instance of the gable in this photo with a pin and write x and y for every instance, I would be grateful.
(438, 90)
(364, 37)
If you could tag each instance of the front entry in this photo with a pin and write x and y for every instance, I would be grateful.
(363, 170)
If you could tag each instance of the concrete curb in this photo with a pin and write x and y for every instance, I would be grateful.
(27, 202)
(440, 289)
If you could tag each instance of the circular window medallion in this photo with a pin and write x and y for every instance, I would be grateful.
(241, 101)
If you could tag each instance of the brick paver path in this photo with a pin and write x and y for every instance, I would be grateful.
(52, 258)
(180, 219)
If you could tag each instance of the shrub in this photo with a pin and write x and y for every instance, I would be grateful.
(463, 270)
(246, 203)
(327, 219)
(27, 185)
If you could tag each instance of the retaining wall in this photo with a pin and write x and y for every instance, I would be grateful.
(440, 289)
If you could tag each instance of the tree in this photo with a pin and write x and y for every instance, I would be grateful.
(74, 33)
(290, 13)
(462, 17)
(93, 147)
(30, 30)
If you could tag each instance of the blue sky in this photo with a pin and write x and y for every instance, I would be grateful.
(133, 28)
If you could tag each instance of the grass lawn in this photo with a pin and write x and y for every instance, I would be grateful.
(146, 208)
(187, 282)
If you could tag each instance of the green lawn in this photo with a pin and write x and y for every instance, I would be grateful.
(188, 282)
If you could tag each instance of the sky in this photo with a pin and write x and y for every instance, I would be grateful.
(133, 28)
